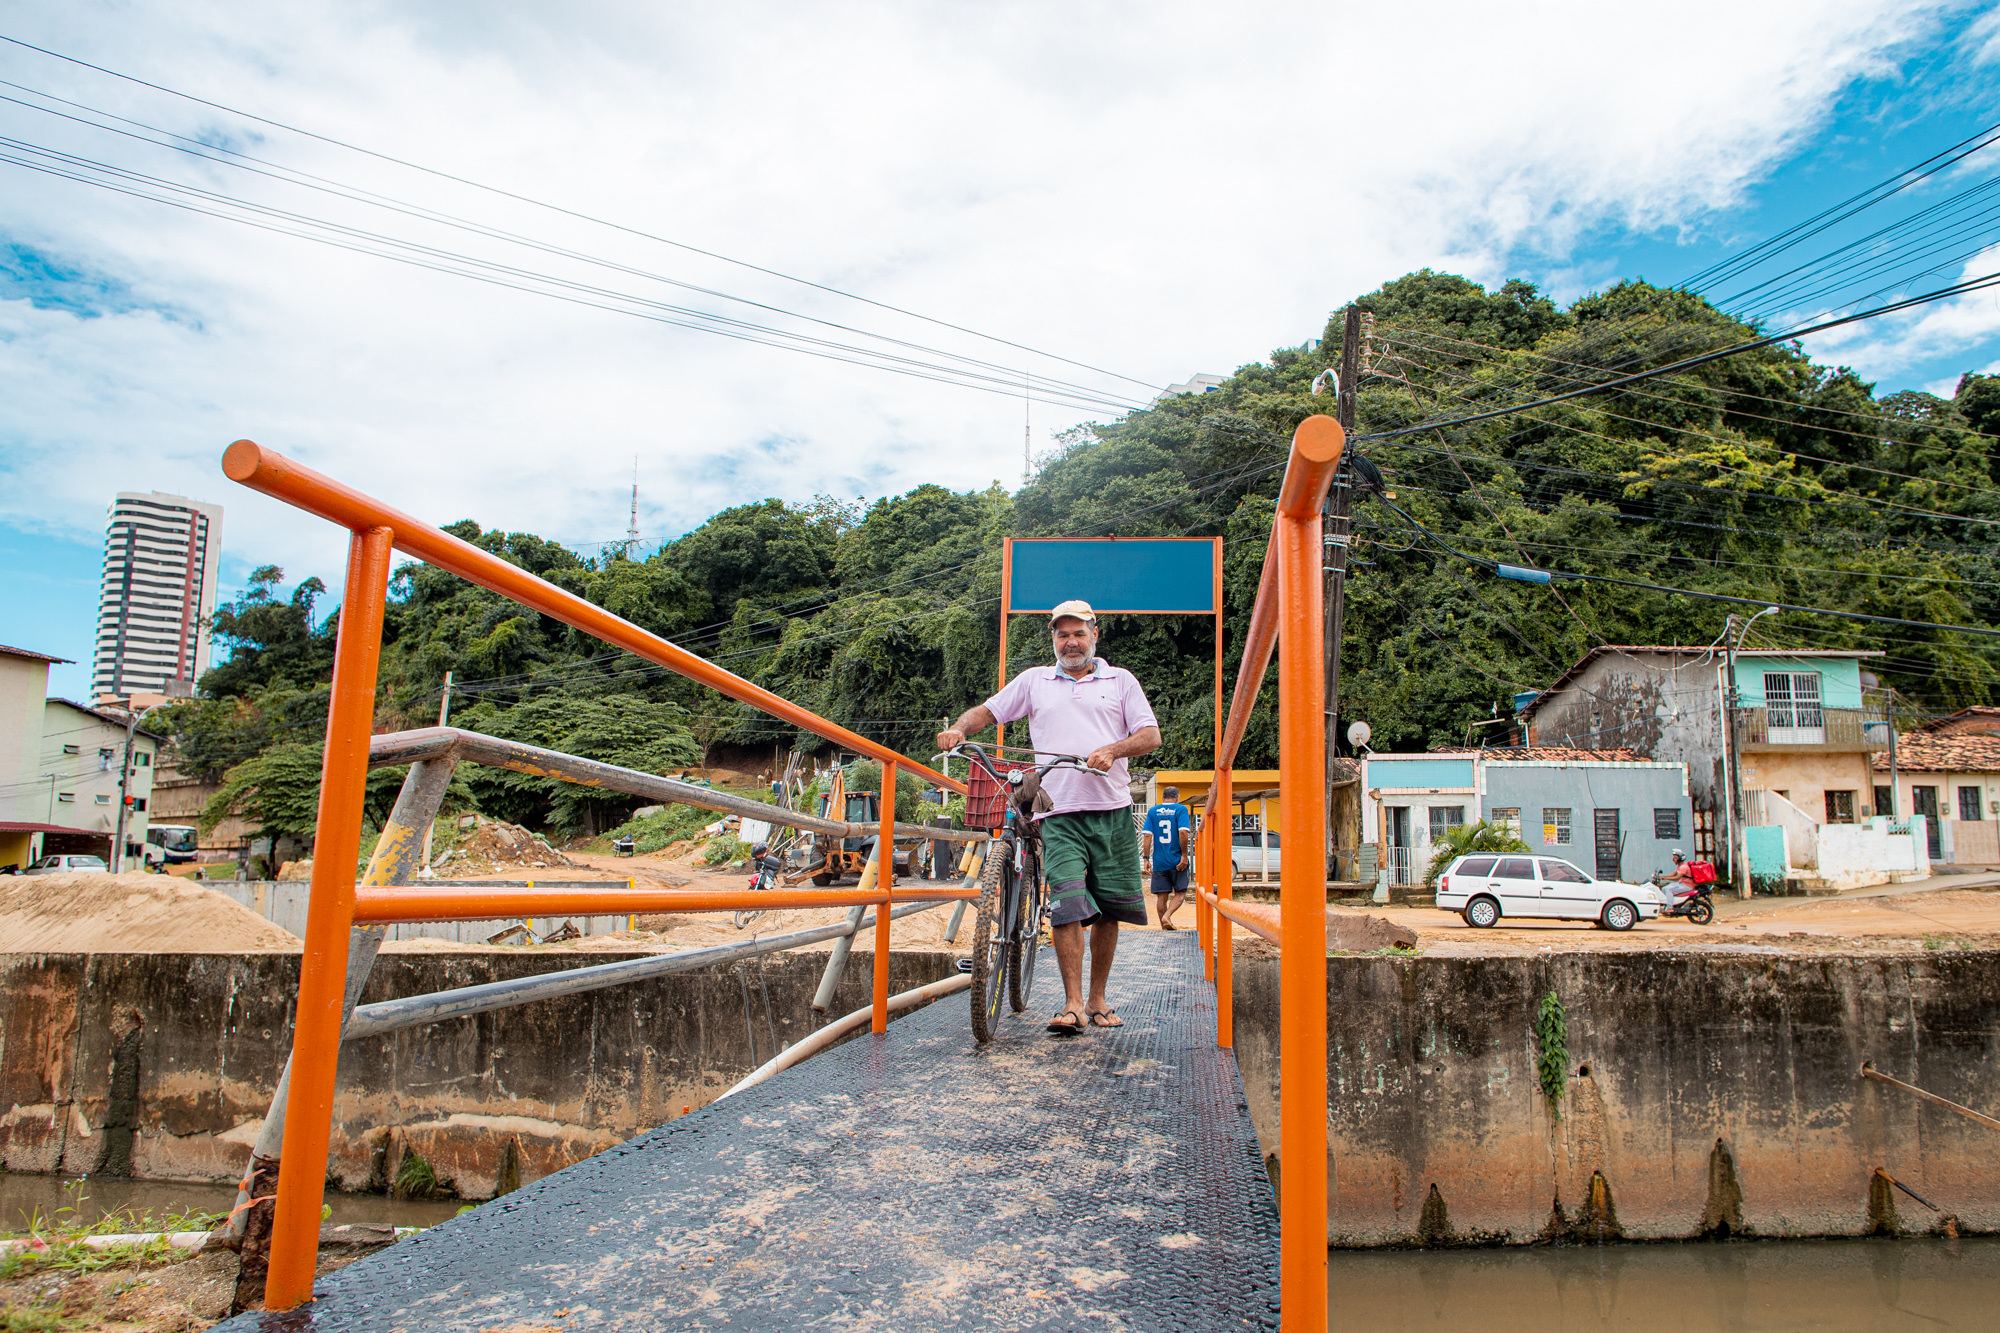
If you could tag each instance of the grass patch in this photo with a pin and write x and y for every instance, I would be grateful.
(417, 1179)
(1937, 939)
(33, 1319)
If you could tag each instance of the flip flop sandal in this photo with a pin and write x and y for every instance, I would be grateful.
(1097, 1020)
(1168, 925)
(1062, 1028)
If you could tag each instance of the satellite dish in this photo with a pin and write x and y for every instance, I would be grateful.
(1358, 733)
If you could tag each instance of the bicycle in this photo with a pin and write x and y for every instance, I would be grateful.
(1013, 897)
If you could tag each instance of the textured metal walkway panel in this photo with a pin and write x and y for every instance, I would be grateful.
(903, 1182)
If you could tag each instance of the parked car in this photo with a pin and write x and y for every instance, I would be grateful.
(1247, 857)
(69, 865)
(1484, 888)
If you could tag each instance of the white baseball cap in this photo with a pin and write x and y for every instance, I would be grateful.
(1074, 609)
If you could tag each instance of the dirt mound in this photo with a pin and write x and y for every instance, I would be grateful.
(129, 914)
(496, 846)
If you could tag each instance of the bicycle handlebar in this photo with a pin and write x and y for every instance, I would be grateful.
(974, 753)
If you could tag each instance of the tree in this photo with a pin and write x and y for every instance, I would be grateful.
(1466, 839)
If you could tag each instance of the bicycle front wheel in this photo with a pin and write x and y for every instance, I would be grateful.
(1027, 932)
(989, 941)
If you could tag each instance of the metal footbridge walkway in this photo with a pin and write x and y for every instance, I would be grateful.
(905, 1181)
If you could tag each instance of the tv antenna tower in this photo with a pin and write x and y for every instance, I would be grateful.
(1027, 429)
(632, 529)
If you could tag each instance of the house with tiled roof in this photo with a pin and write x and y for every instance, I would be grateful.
(1809, 722)
(1949, 772)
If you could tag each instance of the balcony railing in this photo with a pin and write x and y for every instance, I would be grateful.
(1838, 729)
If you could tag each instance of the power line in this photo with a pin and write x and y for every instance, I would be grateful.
(1957, 289)
(568, 212)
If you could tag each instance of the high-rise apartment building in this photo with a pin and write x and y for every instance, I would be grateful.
(162, 555)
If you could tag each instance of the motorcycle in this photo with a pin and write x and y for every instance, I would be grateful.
(1687, 900)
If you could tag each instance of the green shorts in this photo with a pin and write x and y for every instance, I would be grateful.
(1091, 858)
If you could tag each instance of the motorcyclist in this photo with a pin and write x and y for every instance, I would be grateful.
(766, 865)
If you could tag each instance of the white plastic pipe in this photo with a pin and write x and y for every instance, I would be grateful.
(832, 1032)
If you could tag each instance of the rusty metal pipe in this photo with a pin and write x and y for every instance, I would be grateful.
(282, 478)
(402, 747)
(373, 1020)
(397, 856)
(437, 902)
(1869, 1071)
(836, 961)
(329, 917)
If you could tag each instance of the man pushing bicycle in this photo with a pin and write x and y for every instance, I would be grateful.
(1082, 705)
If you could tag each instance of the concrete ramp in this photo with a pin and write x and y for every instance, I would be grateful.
(904, 1182)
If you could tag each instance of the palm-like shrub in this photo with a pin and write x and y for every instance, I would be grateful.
(1466, 839)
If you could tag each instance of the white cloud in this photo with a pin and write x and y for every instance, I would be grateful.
(1159, 189)
(1913, 339)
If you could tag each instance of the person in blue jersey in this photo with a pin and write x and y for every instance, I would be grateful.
(1170, 829)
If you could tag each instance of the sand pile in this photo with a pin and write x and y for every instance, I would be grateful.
(129, 914)
(496, 846)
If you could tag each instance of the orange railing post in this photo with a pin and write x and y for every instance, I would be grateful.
(1302, 1207)
(350, 720)
(1225, 1005)
(885, 879)
(1216, 835)
(1289, 616)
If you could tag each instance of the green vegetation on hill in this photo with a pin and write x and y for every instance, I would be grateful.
(1764, 475)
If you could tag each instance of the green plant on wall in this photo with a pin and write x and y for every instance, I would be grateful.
(1552, 1051)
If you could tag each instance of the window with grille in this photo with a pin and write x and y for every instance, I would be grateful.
(1444, 817)
(1968, 802)
(1840, 807)
(1791, 708)
(1507, 817)
(1555, 826)
(1667, 822)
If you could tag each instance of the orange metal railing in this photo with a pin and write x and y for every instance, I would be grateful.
(1288, 615)
(335, 904)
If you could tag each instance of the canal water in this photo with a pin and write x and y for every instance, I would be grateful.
(1798, 1286)
(22, 1196)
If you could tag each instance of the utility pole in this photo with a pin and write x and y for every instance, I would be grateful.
(444, 706)
(1335, 563)
(1739, 842)
(132, 716)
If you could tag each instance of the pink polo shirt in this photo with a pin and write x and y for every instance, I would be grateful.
(1068, 716)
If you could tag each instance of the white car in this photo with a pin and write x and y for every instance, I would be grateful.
(1483, 888)
(68, 865)
(1248, 857)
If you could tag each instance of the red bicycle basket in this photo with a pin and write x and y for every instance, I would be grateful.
(986, 800)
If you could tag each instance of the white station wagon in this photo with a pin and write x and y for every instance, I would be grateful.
(1484, 888)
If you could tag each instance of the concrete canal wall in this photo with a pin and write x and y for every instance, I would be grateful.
(1702, 1092)
(162, 1065)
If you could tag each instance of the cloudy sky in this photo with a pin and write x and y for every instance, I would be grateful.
(1104, 199)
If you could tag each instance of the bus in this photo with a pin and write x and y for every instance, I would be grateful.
(168, 845)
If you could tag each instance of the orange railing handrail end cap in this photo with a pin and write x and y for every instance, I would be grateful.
(241, 460)
(1320, 438)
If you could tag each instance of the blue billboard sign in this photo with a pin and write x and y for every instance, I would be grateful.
(1133, 575)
